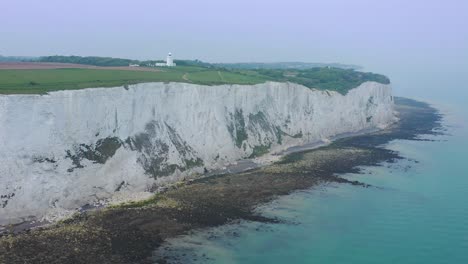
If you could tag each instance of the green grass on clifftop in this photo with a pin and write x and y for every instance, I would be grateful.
(40, 81)
(332, 79)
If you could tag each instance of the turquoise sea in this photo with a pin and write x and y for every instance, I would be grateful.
(418, 215)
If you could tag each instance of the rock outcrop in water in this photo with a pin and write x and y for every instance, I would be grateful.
(70, 148)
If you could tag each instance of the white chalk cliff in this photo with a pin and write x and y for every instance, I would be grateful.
(69, 148)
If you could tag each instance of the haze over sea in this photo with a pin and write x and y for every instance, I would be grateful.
(417, 216)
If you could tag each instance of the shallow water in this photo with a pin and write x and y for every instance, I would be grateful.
(417, 213)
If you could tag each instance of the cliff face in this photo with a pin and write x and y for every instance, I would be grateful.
(69, 148)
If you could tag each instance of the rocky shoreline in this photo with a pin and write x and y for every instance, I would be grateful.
(131, 232)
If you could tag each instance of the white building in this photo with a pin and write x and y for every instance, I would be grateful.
(169, 62)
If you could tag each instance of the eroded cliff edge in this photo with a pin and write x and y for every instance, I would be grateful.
(69, 148)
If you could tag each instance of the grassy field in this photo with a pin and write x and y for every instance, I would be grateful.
(40, 81)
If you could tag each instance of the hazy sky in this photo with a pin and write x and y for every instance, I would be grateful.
(393, 37)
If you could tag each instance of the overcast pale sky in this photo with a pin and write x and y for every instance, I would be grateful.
(392, 37)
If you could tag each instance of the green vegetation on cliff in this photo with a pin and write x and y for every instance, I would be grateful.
(40, 81)
(325, 78)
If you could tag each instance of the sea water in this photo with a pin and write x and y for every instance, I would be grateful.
(416, 212)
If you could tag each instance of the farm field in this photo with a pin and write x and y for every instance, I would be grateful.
(40, 78)
(40, 81)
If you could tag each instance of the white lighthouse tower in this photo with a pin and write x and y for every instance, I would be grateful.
(169, 60)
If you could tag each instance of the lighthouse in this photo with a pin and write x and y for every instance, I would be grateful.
(169, 60)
